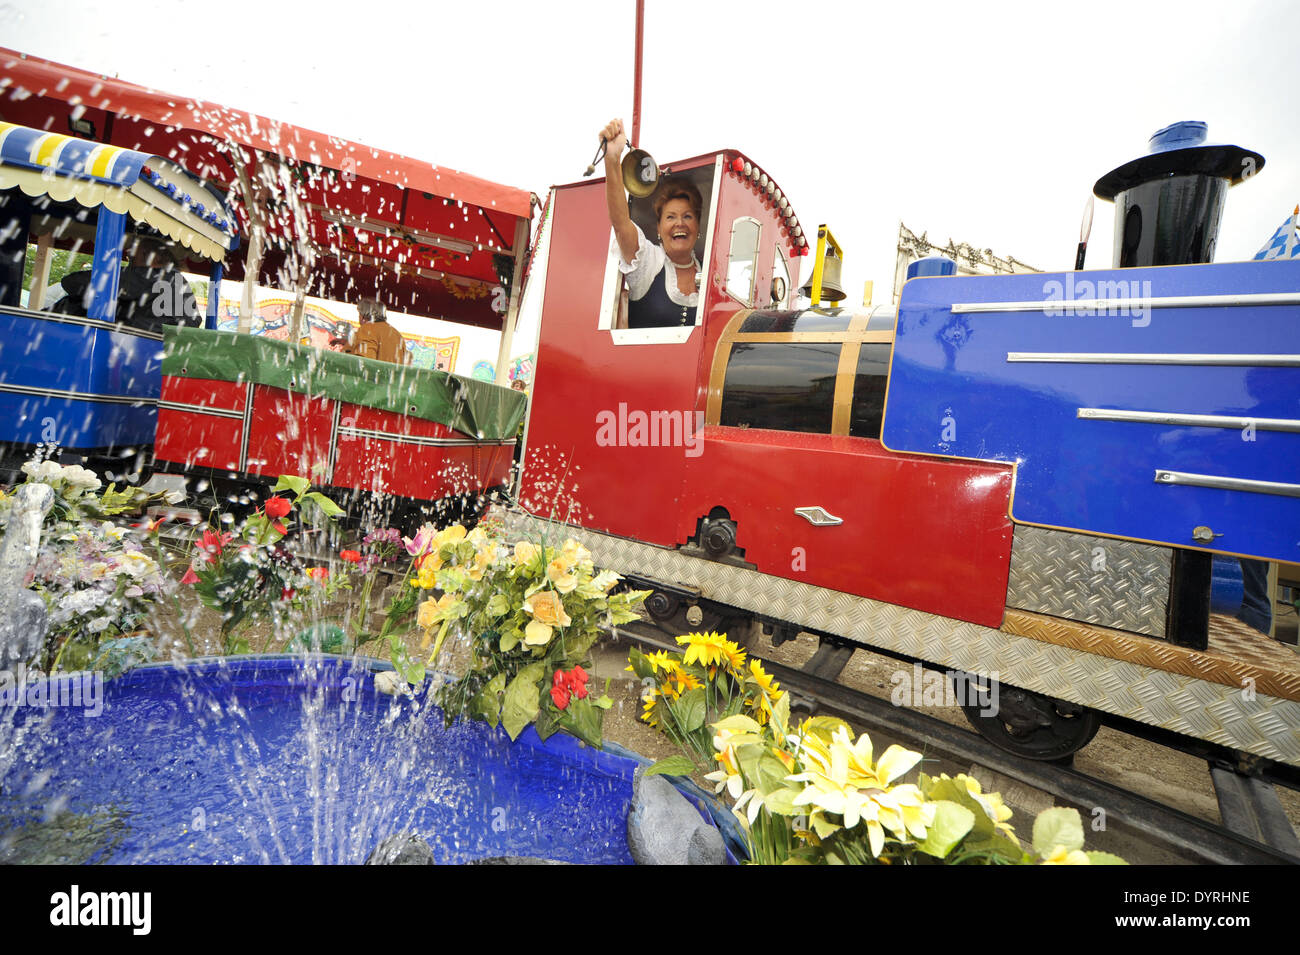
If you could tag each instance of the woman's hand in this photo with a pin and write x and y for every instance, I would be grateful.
(615, 198)
(615, 141)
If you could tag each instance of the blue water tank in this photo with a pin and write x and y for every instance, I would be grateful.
(931, 265)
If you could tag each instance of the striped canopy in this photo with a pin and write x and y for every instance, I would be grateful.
(149, 188)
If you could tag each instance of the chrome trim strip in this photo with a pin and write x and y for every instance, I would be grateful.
(77, 395)
(78, 320)
(1226, 483)
(420, 440)
(200, 409)
(248, 419)
(332, 459)
(1108, 304)
(1137, 358)
(1291, 425)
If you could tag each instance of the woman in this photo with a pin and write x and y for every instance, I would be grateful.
(662, 280)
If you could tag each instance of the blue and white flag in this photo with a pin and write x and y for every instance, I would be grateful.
(1284, 244)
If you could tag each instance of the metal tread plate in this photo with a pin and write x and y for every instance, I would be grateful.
(1251, 721)
(1114, 583)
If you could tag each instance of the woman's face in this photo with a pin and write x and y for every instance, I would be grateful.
(679, 227)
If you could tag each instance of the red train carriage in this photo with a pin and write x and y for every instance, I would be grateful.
(236, 405)
(736, 464)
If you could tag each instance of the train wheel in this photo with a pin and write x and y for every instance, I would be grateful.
(1025, 723)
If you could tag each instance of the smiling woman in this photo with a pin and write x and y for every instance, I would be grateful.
(663, 279)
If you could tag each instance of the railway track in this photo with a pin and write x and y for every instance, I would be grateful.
(1177, 835)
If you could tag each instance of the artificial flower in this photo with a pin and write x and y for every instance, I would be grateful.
(547, 611)
(277, 507)
(351, 556)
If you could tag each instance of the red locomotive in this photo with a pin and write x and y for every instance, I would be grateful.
(735, 464)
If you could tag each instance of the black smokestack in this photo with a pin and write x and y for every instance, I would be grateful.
(1168, 203)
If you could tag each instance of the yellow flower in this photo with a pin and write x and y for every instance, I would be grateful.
(561, 575)
(1060, 856)
(483, 559)
(427, 576)
(711, 650)
(574, 554)
(450, 535)
(650, 711)
(843, 781)
(428, 614)
(769, 691)
(992, 803)
(547, 611)
(677, 681)
(525, 552)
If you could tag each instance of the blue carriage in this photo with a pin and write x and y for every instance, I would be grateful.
(80, 360)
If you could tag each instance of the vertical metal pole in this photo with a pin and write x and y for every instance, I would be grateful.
(512, 306)
(214, 296)
(636, 81)
(106, 267)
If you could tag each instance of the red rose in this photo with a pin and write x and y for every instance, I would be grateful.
(558, 679)
(277, 507)
(559, 695)
(579, 675)
(351, 556)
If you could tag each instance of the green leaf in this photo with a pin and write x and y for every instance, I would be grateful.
(951, 825)
(770, 773)
(603, 702)
(548, 722)
(690, 710)
(324, 503)
(781, 802)
(486, 704)
(781, 712)
(521, 701)
(509, 640)
(497, 606)
(823, 727)
(291, 482)
(583, 721)
(672, 766)
(1104, 858)
(640, 665)
(1058, 826)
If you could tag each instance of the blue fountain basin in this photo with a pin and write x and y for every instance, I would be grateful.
(289, 760)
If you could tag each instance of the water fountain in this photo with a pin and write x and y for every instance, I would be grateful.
(289, 759)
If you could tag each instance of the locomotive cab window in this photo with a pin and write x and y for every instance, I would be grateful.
(742, 259)
(641, 305)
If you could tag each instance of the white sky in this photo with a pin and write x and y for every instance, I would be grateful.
(986, 123)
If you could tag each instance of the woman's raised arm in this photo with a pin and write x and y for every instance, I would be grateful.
(615, 198)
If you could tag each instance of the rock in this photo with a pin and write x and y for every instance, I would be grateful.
(404, 848)
(663, 828)
(23, 618)
(22, 629)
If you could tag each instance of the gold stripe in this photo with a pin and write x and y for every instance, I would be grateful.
(718, 372)
(832, 338)
(47, 147)
(1266, 672)
(845, 377)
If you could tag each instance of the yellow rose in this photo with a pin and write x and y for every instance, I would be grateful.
(546, 607)
(483, 559)
(451, 535)
(525, 552)
(561, 576)
(428, 614)
(574, 553)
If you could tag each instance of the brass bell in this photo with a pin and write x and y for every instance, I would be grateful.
(640, 173)
(831, 290)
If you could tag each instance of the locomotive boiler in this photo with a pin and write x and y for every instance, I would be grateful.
(1023, 477)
